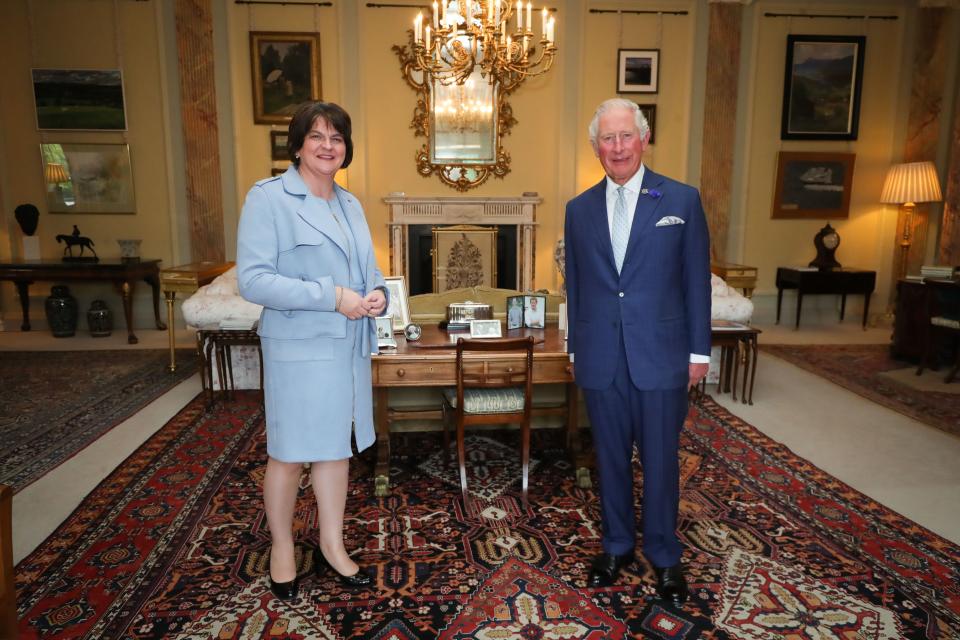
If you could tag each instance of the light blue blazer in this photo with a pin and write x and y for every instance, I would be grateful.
(290, 257)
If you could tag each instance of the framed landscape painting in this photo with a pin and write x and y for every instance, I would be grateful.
(638, 70)
(813, 186)
(88, 178)
(821, 88)
(286, 73)
(83, 99)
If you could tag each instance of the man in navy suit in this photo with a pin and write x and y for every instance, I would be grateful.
(638, 308)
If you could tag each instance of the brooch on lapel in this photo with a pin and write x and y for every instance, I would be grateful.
(653, 193)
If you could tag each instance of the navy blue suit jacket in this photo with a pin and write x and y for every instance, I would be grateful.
(661, 298)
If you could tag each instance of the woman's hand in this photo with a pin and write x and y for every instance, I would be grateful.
(350, 303)
(375, 302)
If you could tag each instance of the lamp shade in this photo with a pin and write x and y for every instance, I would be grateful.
(911, 182)
(54, 173)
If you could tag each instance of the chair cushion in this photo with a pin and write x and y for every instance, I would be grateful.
(499, 400)
(941, 321)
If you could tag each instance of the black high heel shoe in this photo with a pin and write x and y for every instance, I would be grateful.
(284, 590)
(320, 566)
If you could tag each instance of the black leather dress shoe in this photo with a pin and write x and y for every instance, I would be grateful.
(320, 566)
(284, 590)
(606, 568)
(671, 585)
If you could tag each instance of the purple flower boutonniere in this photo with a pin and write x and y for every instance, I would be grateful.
(653, 193)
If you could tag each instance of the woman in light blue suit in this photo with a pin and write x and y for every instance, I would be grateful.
(304, 252)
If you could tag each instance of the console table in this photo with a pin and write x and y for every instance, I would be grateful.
(123, 275)
(835, 281)
(185, 278)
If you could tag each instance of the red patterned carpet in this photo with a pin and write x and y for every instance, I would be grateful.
(174, 545)
(857, 367)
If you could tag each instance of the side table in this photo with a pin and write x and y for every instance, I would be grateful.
(213, 347)
(738, 348)
(186, 278)
(737, 275)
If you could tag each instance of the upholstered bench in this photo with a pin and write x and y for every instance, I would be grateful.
(219, 304)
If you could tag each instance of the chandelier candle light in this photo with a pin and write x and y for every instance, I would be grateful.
(494, 35)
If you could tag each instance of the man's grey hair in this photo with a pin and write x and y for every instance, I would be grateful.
(610, 105)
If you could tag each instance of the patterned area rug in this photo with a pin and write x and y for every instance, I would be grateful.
(860, 368)
(174, 545)
(55, 403)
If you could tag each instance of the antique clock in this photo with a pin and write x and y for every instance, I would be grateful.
(826, 241)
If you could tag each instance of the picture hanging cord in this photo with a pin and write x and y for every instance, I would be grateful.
(641, 12)
(827, 15)
(659, 41)
(284, 3)
(118, 49)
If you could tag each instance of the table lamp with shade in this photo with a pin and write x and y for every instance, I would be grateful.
(906, 185)
(55, 173)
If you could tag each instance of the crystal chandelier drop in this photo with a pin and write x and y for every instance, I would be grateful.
(495, 37)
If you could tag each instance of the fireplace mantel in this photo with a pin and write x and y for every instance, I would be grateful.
(439, 211)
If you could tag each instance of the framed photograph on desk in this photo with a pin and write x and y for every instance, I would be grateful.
(397, 302)
(526, 311)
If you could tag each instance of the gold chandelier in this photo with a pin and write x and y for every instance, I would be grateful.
(494, 36)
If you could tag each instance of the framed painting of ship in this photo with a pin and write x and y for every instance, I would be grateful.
(813, 186)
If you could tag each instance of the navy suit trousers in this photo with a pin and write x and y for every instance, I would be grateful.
(623, 416)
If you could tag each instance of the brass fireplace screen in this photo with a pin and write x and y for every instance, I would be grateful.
(464, 256)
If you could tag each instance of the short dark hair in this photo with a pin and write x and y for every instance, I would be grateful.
(302, 123)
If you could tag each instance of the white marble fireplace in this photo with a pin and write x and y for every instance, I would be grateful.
(519, 213)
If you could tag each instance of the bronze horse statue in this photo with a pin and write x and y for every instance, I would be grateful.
(75, 240)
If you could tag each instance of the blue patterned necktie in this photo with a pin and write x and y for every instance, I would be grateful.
(621, 229)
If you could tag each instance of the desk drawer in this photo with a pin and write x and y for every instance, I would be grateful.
(414, 373)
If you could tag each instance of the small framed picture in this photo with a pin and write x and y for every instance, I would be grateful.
(638, 70)
(526, 311)
(278, 145)
(397, 303)
(485, 329)
(385, 339)
(649, 112)
(277, 171)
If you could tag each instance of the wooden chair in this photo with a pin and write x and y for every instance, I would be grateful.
(943, 310)
(8, 594)
(491, 390)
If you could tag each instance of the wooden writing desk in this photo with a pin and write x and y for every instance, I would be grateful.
(431, 362)
(123, 275)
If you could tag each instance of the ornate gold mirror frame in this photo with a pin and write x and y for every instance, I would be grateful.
(462, 173)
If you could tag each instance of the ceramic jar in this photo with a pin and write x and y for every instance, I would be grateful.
(61, 309)
(99, 319)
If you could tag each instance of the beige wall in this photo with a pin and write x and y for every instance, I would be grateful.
(56, 34)
(548, 146)
(865, 239)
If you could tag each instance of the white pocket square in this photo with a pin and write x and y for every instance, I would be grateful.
(666, 221)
